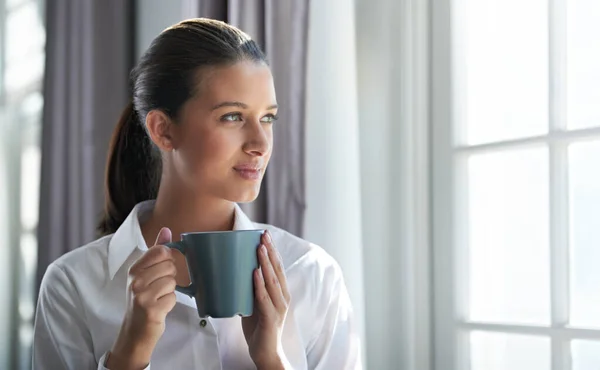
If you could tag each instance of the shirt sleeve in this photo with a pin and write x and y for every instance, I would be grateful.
(103, 361)
(337, 343)
(61, 338)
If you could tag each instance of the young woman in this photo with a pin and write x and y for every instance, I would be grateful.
(195, 140)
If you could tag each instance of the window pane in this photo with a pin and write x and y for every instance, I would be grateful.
(31, 107)
(24, 32)
(502, 67)
(26, 296)
(28, 249)
(11, 4)
(584, 195)
(508, 215)
(499, 351)
(30, 185)
(24, 72)
(586, 354)
(583, 59)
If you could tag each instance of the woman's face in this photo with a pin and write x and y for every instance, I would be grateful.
(223, 139)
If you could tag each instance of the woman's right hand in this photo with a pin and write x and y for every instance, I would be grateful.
(150, 297)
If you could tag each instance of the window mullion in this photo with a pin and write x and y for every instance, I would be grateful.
(559, 202)
(559, 268)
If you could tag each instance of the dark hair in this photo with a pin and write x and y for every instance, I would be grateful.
(165, 78)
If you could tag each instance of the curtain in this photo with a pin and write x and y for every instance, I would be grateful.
(89, 53)
(334, 214)
(281, 28)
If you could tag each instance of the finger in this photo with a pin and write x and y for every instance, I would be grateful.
(150, 274)
(151, 257)
(160, 288)
(164, 236)
(265, 238)
(157, 311)
(261, 295)
(277, 264)
(166, 302)
(270, 278)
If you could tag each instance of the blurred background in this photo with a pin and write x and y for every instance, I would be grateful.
(445, 152)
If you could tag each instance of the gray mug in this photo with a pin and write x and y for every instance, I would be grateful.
(221, 266)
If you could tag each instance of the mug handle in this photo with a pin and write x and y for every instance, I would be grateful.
(190, 289)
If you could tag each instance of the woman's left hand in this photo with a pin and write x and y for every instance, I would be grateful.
(264, 328)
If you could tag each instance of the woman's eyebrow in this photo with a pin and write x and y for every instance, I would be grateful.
(231, 104)
(238, 104)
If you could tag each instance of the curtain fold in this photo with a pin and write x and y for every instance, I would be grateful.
(281, 28)
(334, 217)
(89, 53)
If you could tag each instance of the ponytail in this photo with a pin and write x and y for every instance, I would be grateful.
(132, 172)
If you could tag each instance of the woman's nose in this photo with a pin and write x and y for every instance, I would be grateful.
(258, 141)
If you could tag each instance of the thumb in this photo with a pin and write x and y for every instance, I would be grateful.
(164, 236)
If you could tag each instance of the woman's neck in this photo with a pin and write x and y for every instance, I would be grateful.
(183, 212)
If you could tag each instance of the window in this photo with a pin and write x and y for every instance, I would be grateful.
(516, 184)
(21, 72)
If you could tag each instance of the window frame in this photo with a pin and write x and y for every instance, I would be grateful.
(451, 327)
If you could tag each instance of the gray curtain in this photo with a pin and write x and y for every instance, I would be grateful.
(89, 52)
(280, 27)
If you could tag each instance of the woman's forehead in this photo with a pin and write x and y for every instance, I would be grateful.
(247, 82)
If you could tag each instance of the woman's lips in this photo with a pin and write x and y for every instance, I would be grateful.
(248, 173)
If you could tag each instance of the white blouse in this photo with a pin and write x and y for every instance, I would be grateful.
(83, 295)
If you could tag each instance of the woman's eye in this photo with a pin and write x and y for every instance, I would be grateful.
(232, 117)
(269, 118)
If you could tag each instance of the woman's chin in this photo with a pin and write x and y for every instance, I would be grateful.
(245, 196)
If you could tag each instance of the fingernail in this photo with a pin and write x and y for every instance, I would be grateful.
(268, 236)
(263, 249)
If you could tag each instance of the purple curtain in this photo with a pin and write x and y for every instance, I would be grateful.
(89, 52)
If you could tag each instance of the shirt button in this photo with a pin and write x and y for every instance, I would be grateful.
(203, 323)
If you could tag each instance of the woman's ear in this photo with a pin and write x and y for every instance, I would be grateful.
(160, 127)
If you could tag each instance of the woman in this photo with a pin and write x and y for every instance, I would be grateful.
(195, 141)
